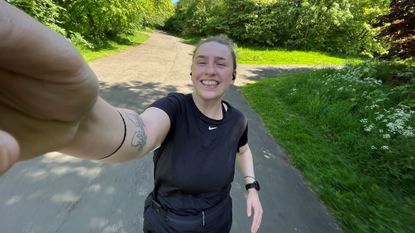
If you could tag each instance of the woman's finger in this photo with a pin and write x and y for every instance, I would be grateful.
(248, 208)
(254, 226)
(256, 221)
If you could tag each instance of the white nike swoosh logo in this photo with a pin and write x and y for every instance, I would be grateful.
(212, 127)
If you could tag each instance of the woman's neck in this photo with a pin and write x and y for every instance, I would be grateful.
(211, 108)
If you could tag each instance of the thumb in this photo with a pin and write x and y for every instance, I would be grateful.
(9, 151)
(248, 209)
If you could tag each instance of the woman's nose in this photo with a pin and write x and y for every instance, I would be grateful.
(210, 68)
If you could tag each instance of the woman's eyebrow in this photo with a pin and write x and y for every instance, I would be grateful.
(215, 58)
(201, 56)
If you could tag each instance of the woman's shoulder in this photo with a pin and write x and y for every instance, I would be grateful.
(172, 103)
(172, 97)
(176, 95)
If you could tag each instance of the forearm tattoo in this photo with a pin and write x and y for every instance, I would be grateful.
(140, 138)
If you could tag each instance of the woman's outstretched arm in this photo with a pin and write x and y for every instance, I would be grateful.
(49, 100)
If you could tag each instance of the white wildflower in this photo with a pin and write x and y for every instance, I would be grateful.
(379, 117)
(369, 128)
(373, 106)
(385, 147)
(409, 132)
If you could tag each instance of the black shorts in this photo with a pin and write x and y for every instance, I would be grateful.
(217, 219)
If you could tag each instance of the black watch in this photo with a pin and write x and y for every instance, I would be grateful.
(254, 184)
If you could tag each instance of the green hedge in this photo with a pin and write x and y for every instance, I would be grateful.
(91, 22)
(342, 26)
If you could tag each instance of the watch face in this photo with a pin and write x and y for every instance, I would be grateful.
(257, 185)
(254, 184)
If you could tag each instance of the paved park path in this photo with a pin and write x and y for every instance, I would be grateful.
(60, 194)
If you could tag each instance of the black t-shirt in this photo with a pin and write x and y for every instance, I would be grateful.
(195, 165)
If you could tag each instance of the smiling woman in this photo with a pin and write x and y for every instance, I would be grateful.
(202, 119)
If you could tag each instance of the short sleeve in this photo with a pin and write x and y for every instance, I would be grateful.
(244, 138)
(170, 105)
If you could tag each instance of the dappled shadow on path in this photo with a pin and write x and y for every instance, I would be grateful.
(135, 95)
(57, 193)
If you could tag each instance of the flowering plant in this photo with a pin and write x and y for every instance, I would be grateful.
(381, 94)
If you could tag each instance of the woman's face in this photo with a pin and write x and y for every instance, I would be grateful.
(212, 69)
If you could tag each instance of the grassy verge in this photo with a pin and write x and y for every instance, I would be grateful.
(363, 176)
(252, 55)
(113, 46)
(278, 56)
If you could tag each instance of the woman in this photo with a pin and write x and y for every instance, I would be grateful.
(194, 166)
(197, 136)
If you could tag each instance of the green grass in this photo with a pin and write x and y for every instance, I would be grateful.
(193, 40)
(321, 135)
(113, 46)
(261, 56)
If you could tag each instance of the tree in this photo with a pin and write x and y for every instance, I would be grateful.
(46, 11)
(399, 28)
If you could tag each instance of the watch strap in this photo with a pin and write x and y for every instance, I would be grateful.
(254, 185)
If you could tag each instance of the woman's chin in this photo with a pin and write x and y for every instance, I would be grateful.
(209, 95)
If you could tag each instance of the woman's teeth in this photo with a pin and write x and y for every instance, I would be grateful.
(210, 82)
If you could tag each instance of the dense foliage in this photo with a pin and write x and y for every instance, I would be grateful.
(89, 22)
(400, 28)
(342, 26)
(46, 11)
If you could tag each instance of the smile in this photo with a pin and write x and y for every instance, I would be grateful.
(210, 83)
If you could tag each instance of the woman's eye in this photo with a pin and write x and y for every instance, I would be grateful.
(221, 64)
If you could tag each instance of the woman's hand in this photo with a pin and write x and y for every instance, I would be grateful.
(46, 88)
(253, 204)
